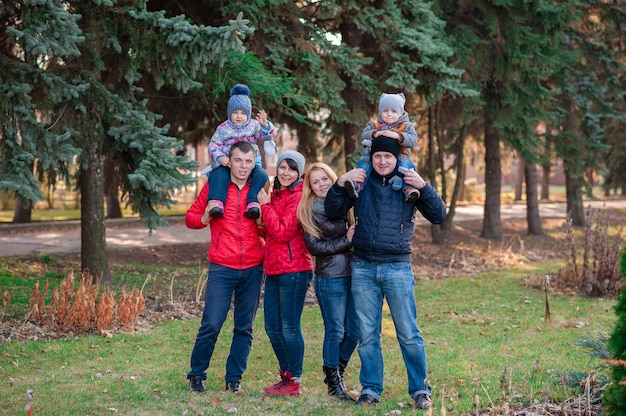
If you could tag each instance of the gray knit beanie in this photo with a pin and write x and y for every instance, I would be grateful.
(296, 157)
(393, 101)
(240, 100)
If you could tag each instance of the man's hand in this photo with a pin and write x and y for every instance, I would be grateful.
(357, 175)
(414, 179)
(206, 218)
(261, 117)
(224, 160)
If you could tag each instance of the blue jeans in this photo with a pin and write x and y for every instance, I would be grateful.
(283, 303)
(341, 331)
(220, 178)
(222, 283)
(371, 282)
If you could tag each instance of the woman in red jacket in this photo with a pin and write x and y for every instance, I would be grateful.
(288, 270)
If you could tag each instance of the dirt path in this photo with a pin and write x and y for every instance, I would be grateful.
(127, 234)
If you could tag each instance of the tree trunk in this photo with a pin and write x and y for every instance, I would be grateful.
(545, 181)
(532, 204)
(574, 197)
(94, 255)
(23, 212)
(441, 232)
(432, 152)
(111, 190)
(572, 165)
(492, 224)
(519, 180)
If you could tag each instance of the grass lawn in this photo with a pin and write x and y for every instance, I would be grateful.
(478, 329)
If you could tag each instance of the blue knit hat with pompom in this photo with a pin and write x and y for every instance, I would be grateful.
(240, 100)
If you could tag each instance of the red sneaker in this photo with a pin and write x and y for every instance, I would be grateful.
(285, 377)
(287, 388)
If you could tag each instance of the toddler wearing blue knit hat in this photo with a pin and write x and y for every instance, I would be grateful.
(240, 127)
(396, 135)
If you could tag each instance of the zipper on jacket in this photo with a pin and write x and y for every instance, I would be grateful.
(289, 248)
(239, 227)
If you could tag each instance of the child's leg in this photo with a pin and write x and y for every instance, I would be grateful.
(258, 179)
(410, 193)
(218, 187)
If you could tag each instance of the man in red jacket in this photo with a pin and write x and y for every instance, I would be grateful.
(236, 267)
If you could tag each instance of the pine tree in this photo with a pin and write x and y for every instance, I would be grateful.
(510, 50)
(591, 95)
(70, 92)
(345, 53)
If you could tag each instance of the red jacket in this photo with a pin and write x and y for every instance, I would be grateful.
(236, 241)
(285, 250)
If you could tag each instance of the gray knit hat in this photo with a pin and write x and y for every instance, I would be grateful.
(240, 100)
(393, 101)
(296, 157)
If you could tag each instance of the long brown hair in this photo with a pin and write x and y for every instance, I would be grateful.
(305, 207)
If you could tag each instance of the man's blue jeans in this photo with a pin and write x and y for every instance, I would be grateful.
(222, 283)
(371, 282)
(283, 302)
(341, 331)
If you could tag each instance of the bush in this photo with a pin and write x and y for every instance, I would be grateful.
(614, 398)
(78, 311)
(598, 275)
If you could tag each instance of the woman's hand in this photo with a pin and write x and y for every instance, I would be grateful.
(263, 197)
(350, 232)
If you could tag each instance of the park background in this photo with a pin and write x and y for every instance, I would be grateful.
(107, 107)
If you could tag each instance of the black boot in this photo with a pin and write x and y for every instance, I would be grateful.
(342, 367)
(336, 387)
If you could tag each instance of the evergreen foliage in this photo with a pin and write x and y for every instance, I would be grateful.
(72, 72)
(73, 78)
(614, 397)
(591, 89)
(345, 53)
(511, 51)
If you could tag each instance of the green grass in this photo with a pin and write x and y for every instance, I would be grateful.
(475, 328)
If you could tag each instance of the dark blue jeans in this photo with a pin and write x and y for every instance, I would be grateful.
(283, 303)
(220, 178)
(341, 328)
(222, 283)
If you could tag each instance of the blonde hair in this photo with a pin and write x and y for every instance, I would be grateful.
(305, 207)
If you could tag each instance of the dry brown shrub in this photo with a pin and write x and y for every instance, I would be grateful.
(131, 304)
(84, 306)
(105, 312)
(79, 311)
(63, 308)
(37, 302)
(598, 274)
